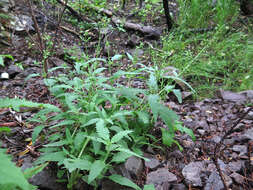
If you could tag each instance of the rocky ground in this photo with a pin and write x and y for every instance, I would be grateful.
(220, 158)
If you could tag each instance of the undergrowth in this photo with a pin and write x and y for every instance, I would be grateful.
(101, 123)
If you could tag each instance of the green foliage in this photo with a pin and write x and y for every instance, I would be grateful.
(16, 104)
(11, 176)
(100, 124)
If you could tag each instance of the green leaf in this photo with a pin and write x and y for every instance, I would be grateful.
(29, 172)
(5, 129)
(79, 140)
(16, 103)
(73, 164)
(68, 136)
(96, 169)
(149, 187)
(154, 104)
(120, 157)
(130, 56)
(167, 137)
(178, 94)
(129, 93)
(120, 135)
(143, 117)
(186, 130)
(152, 82)
(36, 132)
(11, 176)
(123, 181)
(116, 57)
(102, 130)
(53, 156)
(1, 61)
(58, 143)
(91, 122)
(130, 152)
(63, 123)
(168, 116)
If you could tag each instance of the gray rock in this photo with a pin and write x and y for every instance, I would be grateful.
(233, 97)
(192, 173)
(237, 178)
(214, 181)
(46, 179)
(248, 135)
(235, 166)
(248, 94)
(242, 149)
(134, 165)
(178, 186)
(161, 176)
(152, 163)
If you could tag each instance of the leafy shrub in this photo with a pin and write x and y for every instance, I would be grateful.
(101, 123)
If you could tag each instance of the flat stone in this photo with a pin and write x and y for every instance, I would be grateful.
(152, 163)
(214, 181)
(235, 166)
(160, 177)
(237, 178)
(242, 149)
(233, 97)
(192, 173)
(134, 165)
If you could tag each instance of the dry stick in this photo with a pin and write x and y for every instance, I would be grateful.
(41, 43)
(217, 147)
(36, 26)
(58, 25)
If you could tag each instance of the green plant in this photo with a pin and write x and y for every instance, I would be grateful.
(100, 124)
(11, 176)
(2, 59)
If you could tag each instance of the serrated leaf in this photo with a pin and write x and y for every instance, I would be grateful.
(168, 116)
(154, 104)
(178, 94)
(79, 140)
(102, 130)
(143, 117)
(91, 122)
(123, 181)
(167, 137)
(16, 104)
(96, 169)
(130, 93)
(120, 135)
(73, 164)
(152, 82)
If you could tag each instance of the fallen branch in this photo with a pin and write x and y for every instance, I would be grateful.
(147, 30)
